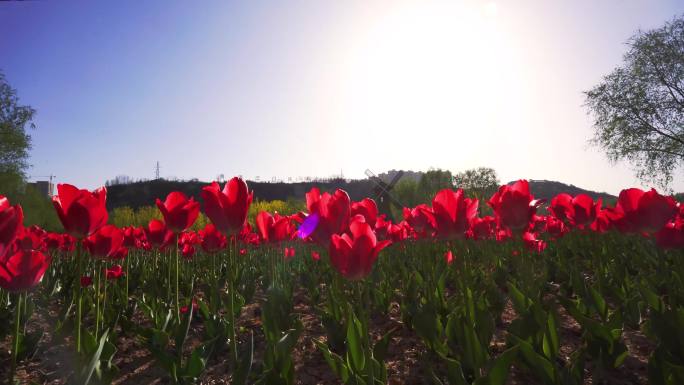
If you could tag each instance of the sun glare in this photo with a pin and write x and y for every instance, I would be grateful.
(425, 68)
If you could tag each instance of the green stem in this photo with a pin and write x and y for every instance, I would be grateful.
(214, 275)
(127, 263)
(231, 278)
(364, 317)
(272, 258)
(177, 286)
(98, 276)
(15, 346)
(155, 266)
(104, 303)
(168, 281)
(79, 299)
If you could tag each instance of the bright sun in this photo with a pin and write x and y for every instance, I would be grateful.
(428, 67)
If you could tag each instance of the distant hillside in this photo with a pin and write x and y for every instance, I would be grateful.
(547, 189)
(144, 193)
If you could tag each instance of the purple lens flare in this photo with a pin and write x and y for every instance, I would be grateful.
(308, 226)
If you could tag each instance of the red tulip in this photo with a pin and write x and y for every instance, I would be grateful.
(11, 219)
(532, 243)
(140, 237)
(31, 238)
(482, 228)
(537, 224)
(514, 206)
(289, 253)
(179, 212)
(158, 235)
(556, 227)
(120, 254)
(145, 245)
(501, 234)
(561, 206)
(671, 236)
(585, 209)
(189, 238)
(105, 242)
(22, 269)
(187, 242)
(227, 209)
(398, 232)
(645, 210)
(449, 257)
(315, 255)
(81, 212)
(273, 228)
(187, 251)
(114, 272)
(453, 213)
(385, 229)
(212, 240)
(54, 241)
(421, 219)
(133, 236)
(247, 235)
(381, 227)
(86, 281)
(607, 218)
(68, 243)
(184, 309)
(353, 257)
(578, 211)
(367, 208)
(332, 212)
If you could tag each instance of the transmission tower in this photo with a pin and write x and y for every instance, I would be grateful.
(156, 171)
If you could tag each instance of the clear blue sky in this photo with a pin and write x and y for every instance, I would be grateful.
(314, 87)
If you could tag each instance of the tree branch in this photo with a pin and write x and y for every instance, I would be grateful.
(654, 128)
(645, 149)
(669, 87)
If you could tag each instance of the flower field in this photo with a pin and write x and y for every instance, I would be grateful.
(566, 291)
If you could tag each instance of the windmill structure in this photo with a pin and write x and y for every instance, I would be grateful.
(382, 191)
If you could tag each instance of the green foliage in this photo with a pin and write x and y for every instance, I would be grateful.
(281, 330)
(406, 191)
(411, 193)
(363, 362)
(289, 207)
(563, 316)
(14, 141)
(433, 181)
(479, 182)
(126, 216)
(638, 109)
(15, 144)
(38, 209)
(180, 368)
(11, 184)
